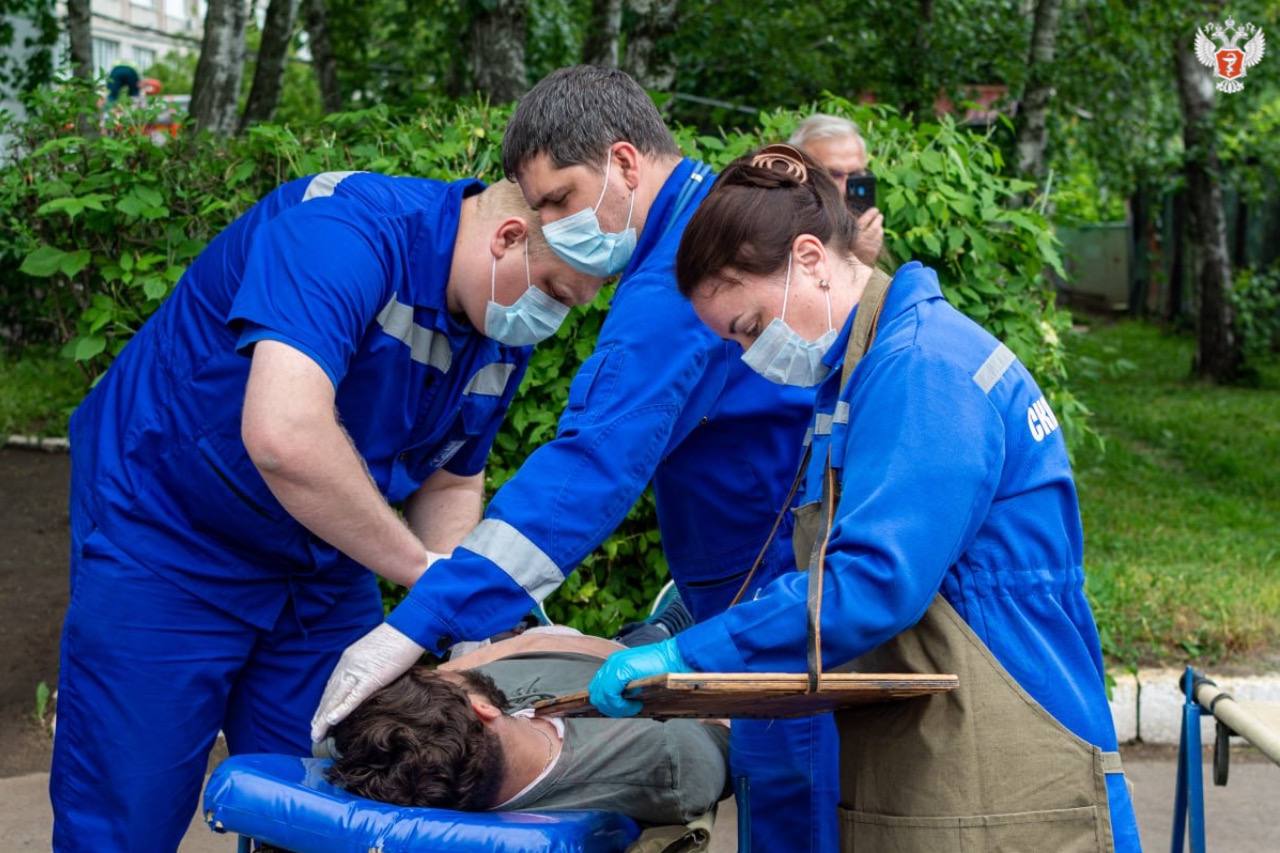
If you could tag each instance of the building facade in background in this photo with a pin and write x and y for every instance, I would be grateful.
(143, 31)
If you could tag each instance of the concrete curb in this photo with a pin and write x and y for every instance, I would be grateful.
(35, 442)
(1147, 706)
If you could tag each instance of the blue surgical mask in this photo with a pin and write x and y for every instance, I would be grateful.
(781, 355)
(583, 245)
(533, 317)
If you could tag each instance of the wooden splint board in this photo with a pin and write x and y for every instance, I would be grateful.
(758, 694)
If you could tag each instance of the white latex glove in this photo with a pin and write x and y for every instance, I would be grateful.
(371, 662)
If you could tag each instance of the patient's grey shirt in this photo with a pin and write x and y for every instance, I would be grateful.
(656, 772)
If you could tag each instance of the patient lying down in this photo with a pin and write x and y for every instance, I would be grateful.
(463, 737)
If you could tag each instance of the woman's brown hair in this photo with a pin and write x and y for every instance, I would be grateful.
(757, 208)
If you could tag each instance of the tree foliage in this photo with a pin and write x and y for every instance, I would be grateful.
(98, 231)
(26, 53)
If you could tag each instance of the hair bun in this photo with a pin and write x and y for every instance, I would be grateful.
(783, 159)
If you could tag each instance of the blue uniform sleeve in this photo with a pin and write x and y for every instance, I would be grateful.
(572, 492)
(471, 458)
(314, 280)
(923, 459)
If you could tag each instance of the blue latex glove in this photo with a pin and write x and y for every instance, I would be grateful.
(621, 668)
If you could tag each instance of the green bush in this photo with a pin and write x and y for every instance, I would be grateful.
(98, 228)
(1256, 297)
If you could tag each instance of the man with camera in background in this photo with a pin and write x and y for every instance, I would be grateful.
(836, 143)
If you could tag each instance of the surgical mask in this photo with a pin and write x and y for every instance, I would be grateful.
(782, 356)
(533, 317)
(583, 245)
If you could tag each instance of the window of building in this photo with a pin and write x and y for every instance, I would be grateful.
(106, 53)
(143, 57)
(175, 11)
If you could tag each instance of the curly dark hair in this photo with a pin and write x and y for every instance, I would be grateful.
(417, 742)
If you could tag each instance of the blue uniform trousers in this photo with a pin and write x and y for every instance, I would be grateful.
(792, 768)
(151, 672)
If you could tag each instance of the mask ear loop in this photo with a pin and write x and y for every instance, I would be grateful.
(527, 276)
(786, 289)
(493, 279)
(830, 325)
(630, 208)
(608, 164)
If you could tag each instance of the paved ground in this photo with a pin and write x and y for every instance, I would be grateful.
(33, 597)
(1240, 817)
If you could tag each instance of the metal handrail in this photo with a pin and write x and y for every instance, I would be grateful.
(1225, 708)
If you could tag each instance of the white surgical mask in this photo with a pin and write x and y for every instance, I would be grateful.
(533, 317)
(584, 245)
(782, 356)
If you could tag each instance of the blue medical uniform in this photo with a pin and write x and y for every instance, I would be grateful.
(197, 601)
(662, 399)
(955, 477)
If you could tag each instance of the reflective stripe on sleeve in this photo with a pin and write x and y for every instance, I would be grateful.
(323, 184)
(425, 345)
(993, 368)
(822, 422)
(513, 552)
(491, 379)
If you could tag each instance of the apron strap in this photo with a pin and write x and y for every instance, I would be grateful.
(861, 337)
(1111, 764)
(777, 522)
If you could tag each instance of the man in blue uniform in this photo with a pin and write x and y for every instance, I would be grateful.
(660, 399)
(352, 340)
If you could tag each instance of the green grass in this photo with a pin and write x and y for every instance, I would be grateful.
(1182, 508)
(38, 393)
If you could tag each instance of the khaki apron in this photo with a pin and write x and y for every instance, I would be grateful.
(981, 768)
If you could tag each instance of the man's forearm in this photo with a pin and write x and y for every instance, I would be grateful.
(291, 432)
(323, 484)
(445, 509)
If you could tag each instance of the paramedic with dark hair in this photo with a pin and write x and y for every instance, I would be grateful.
(940, 512)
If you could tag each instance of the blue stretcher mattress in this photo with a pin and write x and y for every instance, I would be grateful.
(286, 801)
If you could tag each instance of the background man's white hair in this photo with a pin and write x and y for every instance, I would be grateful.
(822, 126)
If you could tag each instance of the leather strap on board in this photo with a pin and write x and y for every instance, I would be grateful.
(861, 337)
(777, 522)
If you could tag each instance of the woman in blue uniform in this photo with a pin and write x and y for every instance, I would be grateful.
(352, 340)
(938, 518)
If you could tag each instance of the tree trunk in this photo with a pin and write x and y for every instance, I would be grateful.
(601, 45)
(1240, 247)
(1032, 132)
(1177, 256)
(81, 36)
(322, 58)
(273, 54)
(216, 89)
(497, 49)
(647, 59)
(1140, 240)
(917, 78)
(1218, 352)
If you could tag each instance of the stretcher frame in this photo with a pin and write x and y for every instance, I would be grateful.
(771, 695)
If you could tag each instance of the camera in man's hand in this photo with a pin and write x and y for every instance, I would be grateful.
(860, 193)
